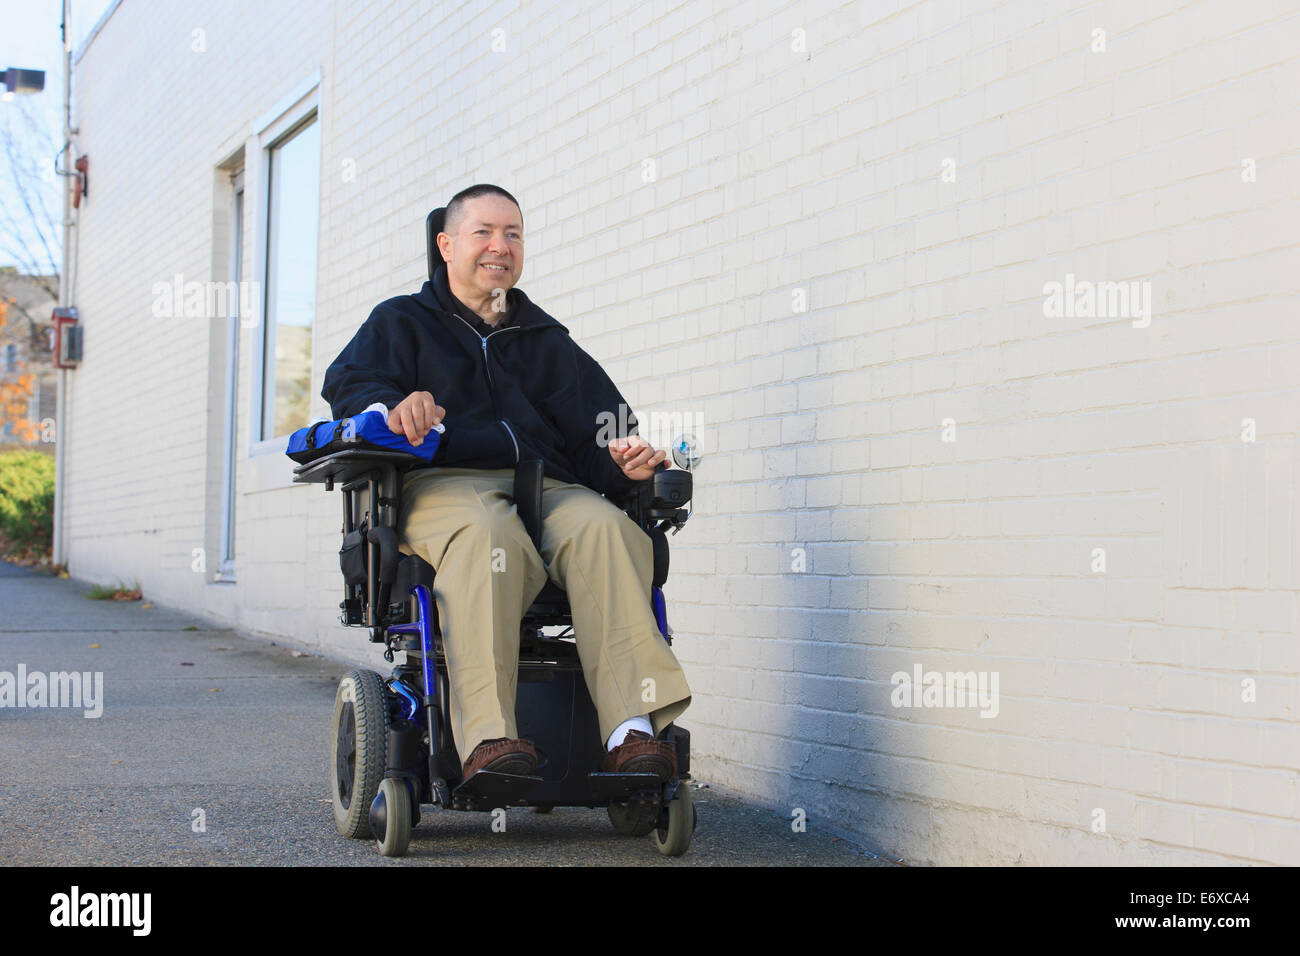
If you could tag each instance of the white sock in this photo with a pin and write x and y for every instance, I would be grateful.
(641, 723)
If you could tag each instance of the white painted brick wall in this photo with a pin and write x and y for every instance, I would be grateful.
(817, 170)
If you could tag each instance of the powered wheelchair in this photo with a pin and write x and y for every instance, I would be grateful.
(392, 748)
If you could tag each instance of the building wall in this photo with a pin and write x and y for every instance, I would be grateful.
(829, 231)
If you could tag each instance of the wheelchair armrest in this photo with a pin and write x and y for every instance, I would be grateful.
(343, 466)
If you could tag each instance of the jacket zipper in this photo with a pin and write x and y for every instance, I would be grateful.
(491, 386)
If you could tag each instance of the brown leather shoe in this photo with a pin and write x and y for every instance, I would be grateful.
(641, 753)
(502, 755)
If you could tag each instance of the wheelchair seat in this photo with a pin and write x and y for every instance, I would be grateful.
(551, 606)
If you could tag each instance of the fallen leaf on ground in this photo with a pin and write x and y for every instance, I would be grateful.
(92, 645)
(214, 690)
(187, 664)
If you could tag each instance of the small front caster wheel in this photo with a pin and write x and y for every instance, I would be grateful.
(673, 836)
(390, 817)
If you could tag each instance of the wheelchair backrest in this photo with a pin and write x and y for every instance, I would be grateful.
(433, 224)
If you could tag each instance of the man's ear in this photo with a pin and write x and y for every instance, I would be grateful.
(444, 246)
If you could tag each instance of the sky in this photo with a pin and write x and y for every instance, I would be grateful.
(29, 38)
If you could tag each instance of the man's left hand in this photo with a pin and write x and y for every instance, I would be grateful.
(636, 456)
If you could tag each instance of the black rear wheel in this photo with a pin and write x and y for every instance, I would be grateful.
(359, 750)
(633, 819)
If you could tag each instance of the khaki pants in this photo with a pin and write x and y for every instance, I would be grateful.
(463, 522)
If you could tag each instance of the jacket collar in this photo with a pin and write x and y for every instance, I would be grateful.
(436, 296)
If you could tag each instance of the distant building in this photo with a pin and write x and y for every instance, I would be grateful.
(25, 340)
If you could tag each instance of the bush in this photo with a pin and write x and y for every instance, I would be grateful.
(27, 499)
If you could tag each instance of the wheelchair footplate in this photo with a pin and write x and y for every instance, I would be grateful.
(487, 790)
(625, 786)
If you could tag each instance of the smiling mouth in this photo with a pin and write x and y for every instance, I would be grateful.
(493, 267)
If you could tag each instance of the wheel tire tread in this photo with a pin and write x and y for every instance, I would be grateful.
(397, 835)
(370, 705)
(681, 824)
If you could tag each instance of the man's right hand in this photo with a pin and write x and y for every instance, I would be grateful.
(416, 414)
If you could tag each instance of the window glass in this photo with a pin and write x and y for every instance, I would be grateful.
(292, 216)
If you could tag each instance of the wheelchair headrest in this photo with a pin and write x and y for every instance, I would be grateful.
(432, 226)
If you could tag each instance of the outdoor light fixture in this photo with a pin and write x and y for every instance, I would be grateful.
(23, 81)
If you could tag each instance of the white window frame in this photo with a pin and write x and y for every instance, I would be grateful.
(238, 274)
(270, 468)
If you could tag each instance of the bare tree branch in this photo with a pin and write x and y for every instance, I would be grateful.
(21, 148)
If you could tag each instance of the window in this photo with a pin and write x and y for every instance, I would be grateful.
(292, 216)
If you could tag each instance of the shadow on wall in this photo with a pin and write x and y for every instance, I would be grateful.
(860, 749)
(835, 732)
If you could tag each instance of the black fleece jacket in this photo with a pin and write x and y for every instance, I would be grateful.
(526, 390)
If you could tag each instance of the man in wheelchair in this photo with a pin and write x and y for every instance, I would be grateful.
(473, 357)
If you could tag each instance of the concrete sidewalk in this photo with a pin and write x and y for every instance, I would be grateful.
(201, 719)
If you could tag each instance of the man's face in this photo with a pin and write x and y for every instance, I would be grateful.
(487, 251)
